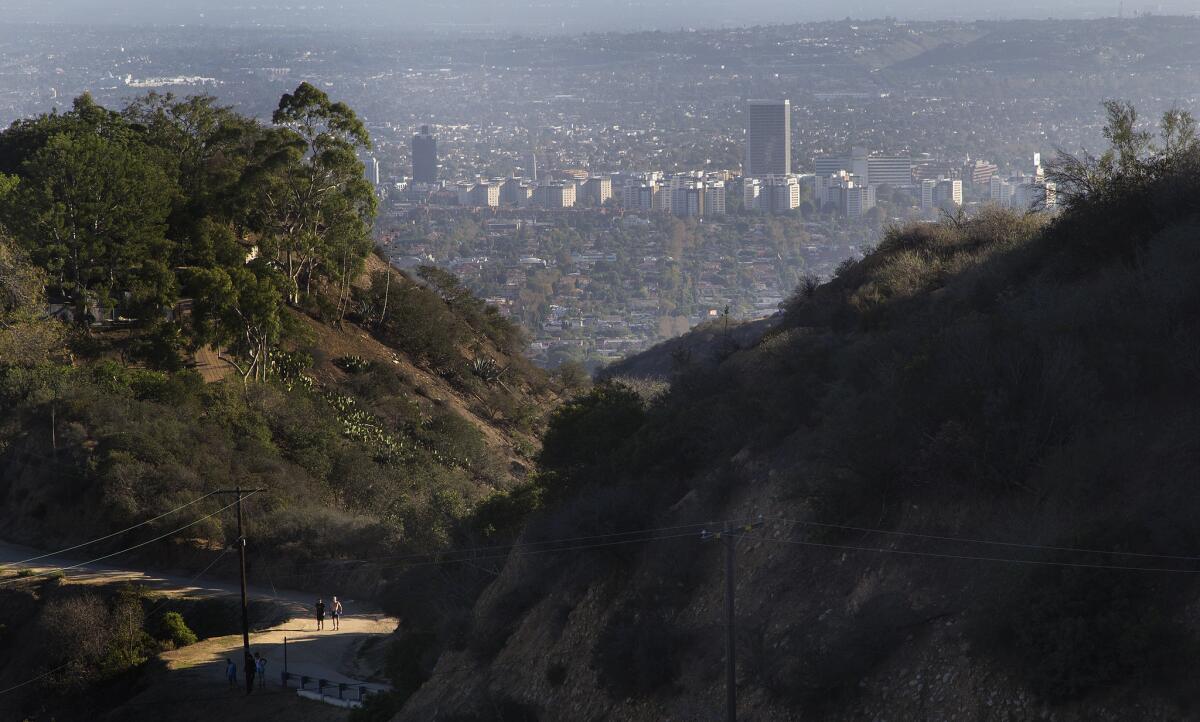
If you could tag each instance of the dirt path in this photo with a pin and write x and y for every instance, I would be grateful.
(210, 366)
(336, 656)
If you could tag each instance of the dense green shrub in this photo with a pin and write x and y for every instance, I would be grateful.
(590, 430)
(172, 628)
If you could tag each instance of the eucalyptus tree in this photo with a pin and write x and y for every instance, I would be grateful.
(314, 205)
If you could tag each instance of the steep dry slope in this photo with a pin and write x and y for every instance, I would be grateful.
(969, 450)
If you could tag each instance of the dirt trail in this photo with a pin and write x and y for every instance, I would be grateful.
(336, 656)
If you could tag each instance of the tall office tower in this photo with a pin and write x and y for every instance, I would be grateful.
(373, 173)
(768, 138)
(424, 156)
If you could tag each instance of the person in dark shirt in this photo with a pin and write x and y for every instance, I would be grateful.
(251, 669)
(320, 614)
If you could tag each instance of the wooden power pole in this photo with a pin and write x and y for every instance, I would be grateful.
(729, 536)
(247, 660)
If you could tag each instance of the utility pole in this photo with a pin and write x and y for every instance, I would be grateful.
(247, 660)
(729, 537)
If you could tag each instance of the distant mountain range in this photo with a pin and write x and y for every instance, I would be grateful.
(546, 16)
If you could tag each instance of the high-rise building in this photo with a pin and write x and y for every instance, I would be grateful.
(373, 171)
(485, 195)
(598, 189)
(768, 138)
(874, 170)
(424, 156)
(714, 198)
(894, 170)
(640, 196)
(515, 192)
(687, 199)
(751, 192)
(1000, 191)
(928, 188)
(556, 194)
(827, 165)
(859, 200)
(979, 174)
(947, 194)
(780, 193)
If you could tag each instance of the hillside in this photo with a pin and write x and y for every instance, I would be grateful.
(973, 452)
(180, 316)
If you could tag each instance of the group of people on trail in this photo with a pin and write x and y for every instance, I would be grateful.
(256, 666)
(335, 610)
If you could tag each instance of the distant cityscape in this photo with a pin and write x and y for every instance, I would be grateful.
(517, 215)
(610, 190)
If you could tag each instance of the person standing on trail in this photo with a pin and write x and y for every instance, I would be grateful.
(260, 662)
(231, 673)
(251, 669)
(337, 612)
(320, 614)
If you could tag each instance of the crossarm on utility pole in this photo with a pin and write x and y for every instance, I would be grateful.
(729, 537)
(247, 660)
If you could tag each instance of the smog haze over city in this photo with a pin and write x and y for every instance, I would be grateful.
(556, 360)
(544, 16)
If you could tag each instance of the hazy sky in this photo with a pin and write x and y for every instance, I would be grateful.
(553, 15)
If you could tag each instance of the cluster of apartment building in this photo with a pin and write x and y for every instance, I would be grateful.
(841, 185)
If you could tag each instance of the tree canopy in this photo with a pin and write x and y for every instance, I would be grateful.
(128, 212)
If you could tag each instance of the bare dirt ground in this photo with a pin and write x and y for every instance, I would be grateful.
(189, 683)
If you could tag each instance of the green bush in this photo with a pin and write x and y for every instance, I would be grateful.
(172, 628)
(591, 428)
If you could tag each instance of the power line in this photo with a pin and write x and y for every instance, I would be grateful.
(429, 558)
(128, 549)
(517, 545)
(967, 557)
(108, 536)
(580, 547)
(166, 596)
(43, 675)
(992, 542)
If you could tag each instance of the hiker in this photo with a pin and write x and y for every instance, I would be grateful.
(337, 612)
(320, 614)
(231, 673)
(251, 668)
(261, 663)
